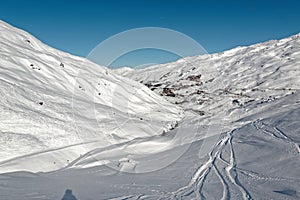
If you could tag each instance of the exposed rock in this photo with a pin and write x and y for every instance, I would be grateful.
(195, 78)
(168, 92)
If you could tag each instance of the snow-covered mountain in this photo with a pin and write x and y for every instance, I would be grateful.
(56, 107)
(219, 126)
(261, 72)
(255, 91)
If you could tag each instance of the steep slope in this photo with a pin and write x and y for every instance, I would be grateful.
(55, 106)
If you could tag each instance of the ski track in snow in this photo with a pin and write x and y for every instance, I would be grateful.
(231, 171)
(198, 180)
(230, 176)
(277, 134)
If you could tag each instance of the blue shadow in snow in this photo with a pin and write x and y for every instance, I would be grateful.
(68, 195)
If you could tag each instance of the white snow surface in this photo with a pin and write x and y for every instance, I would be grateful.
(219, 126)
(84, 106)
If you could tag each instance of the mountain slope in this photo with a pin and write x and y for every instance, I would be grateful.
(54, 102)
(259, 72)
(253, 93)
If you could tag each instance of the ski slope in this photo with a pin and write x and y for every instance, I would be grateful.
(219, 126)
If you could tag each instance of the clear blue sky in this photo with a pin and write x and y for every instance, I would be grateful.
(78, 26)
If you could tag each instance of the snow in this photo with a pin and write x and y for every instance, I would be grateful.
(219, 126)
(83, 106)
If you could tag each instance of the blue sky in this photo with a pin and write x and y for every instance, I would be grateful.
(78, 26)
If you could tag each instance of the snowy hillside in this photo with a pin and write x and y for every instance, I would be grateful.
(261, 72)
(56, 107)
(253, 92)
(220, 126)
